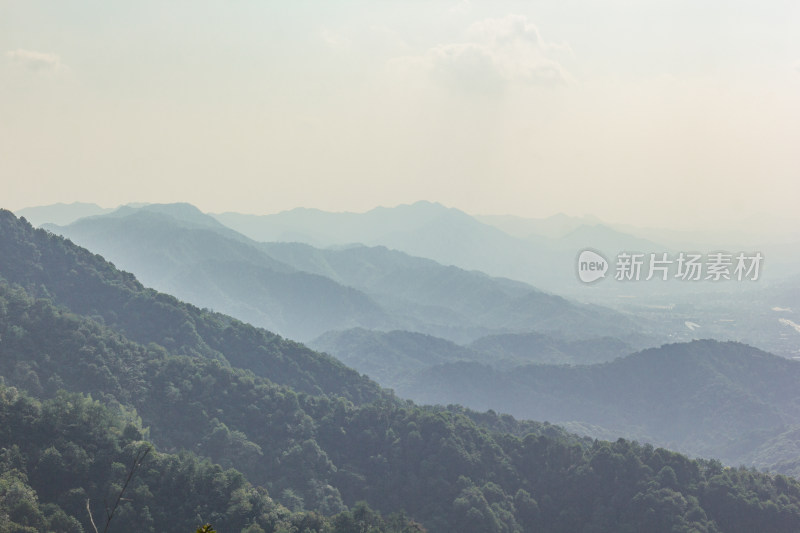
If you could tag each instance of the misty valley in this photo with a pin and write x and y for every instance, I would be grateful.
(340, 372)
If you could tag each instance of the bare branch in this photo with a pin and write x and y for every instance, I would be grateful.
(91, 518)
(137, 462)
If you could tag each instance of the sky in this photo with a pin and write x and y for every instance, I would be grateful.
(666, 113)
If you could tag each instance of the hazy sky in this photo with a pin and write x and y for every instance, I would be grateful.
(666, 112)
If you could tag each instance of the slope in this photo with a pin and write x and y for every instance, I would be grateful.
(177, 249)
(66, 455)
(395, 358)
(424, 229)
(50, 266)
(301, 291)
(389, 357)
(527, 348)
(705, 397)
(436, 464)
(327, 453)
(454, 303)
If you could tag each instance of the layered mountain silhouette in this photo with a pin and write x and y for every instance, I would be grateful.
(49, 266)
(281, 420)
(396, 358)
(182, 251)
(301, 291)
(450, 237)
(424, 229)
(707, 398)
(61, 213)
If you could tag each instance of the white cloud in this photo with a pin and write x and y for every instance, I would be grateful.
(37, 61)
(497, 52)
(506, 30)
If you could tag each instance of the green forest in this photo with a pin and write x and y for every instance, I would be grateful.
(252, 432)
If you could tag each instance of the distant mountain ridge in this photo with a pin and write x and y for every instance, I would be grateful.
(450, 237)
(389, 357)
(302, 292)
(178, 249)
(704, 397)
(424, 229)
(61, 213)
(527, 348)
(450, 296)
(396, 358)
(47, 265)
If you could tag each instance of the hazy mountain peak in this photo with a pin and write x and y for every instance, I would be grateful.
(406, 217)
(422, 205)
(301, 210)
(607, 239)
(181, 214)
(60, 213)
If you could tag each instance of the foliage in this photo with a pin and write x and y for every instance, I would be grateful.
(708, 398)
(49, 266)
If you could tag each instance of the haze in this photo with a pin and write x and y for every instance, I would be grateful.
(669, 113)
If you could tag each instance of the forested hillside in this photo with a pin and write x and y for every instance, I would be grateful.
(177, 249)
(719, 399)
(296, 428)
(59, 457)
(49, 266)
(394, 358)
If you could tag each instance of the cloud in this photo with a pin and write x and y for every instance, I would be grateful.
(497, 52)
(466, 65)
(36, 61)
(506, 30)
(518, 50)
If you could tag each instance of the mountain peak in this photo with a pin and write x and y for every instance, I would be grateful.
(61, 213)
(182, 212)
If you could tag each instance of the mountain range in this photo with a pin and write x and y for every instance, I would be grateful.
(543, 252)
(402, 320)
(446, 235)
(302, 292)
(293, 439)
(738, 311)
(705, 398)
(432, 333)
(395, 357)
